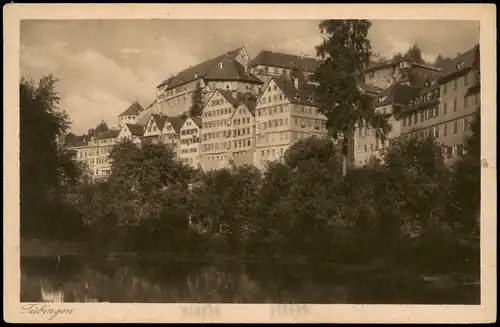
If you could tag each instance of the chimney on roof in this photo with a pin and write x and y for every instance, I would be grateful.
(234, 94)
(220, 65)
(296, 82)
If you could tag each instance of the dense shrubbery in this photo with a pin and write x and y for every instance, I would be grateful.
(404, 210)
(410, 210)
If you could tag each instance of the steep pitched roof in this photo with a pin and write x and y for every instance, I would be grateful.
(176, 123)
(197, 121)
(250, 101)
(229, 69)
(368, 88)
(135, 129)
(134, 109)
(399, 94)
(159, 120)
(284, 60)
(458, 64)
(209, 69)
(303, 95)
(107, 134)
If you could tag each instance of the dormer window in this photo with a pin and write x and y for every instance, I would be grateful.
(460, 65)
(382, 99)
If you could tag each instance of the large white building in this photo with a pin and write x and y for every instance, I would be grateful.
(285, 113)
(227, 72)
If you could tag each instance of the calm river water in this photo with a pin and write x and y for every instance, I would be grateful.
(148, 281)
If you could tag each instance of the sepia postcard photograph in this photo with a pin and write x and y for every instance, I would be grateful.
(249, 163)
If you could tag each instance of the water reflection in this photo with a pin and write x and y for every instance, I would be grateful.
(150, 281)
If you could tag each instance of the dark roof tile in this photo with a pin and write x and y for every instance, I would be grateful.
(399, 94)
(231, 70)
(459, 64)
(107, 134)
(159, 120)
(135, 129)
(176, 123)
(134, 109)
(284, 60)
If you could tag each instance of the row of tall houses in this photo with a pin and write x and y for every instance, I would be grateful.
(441, 104)
(254, 110)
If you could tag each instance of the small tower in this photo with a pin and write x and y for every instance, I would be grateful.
(131, 115)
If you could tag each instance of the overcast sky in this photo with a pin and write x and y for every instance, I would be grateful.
(104, 65)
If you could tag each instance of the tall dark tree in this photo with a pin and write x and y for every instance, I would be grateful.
(415, 53)
(438, 61)
(346, 50)
(45, 167)
(196, 102)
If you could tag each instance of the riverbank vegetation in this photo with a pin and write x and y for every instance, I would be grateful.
(410, 210)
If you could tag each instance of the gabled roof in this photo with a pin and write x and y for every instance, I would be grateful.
(248, 100)
(231, 69)
(303, 95)
(176, 123)
(399, 94)
(107, 134)
(159, 120)
(196, 120)
(433, 85)
(369, 88)
(459, 64)
(284, 60)
(134, 109)
(135, 129)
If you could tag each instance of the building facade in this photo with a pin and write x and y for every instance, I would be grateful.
(442, 108)
(285, 113)
(131, 115)
(446, 109)
(227, 72)
(269, 63)
(392, 101)
(190, 141)
(384, 74)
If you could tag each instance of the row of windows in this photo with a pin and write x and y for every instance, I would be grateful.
(424, 114)
(242, 143)
(272, 110)
(220, 157)
(271, 137)
(191, 150)
(273, 70)
(242, 121)
(271, 153)
(128, 117)
(190, 141)
(272, 123)
(217, 102)
(454, 83)
(193, 131)
(226, 133)
(169, 137)
(442, 129)
(216, 146)
(217, 135)
(172, 102)
(274, 98)
(217, 123)
(453, 151)
(430, 96)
